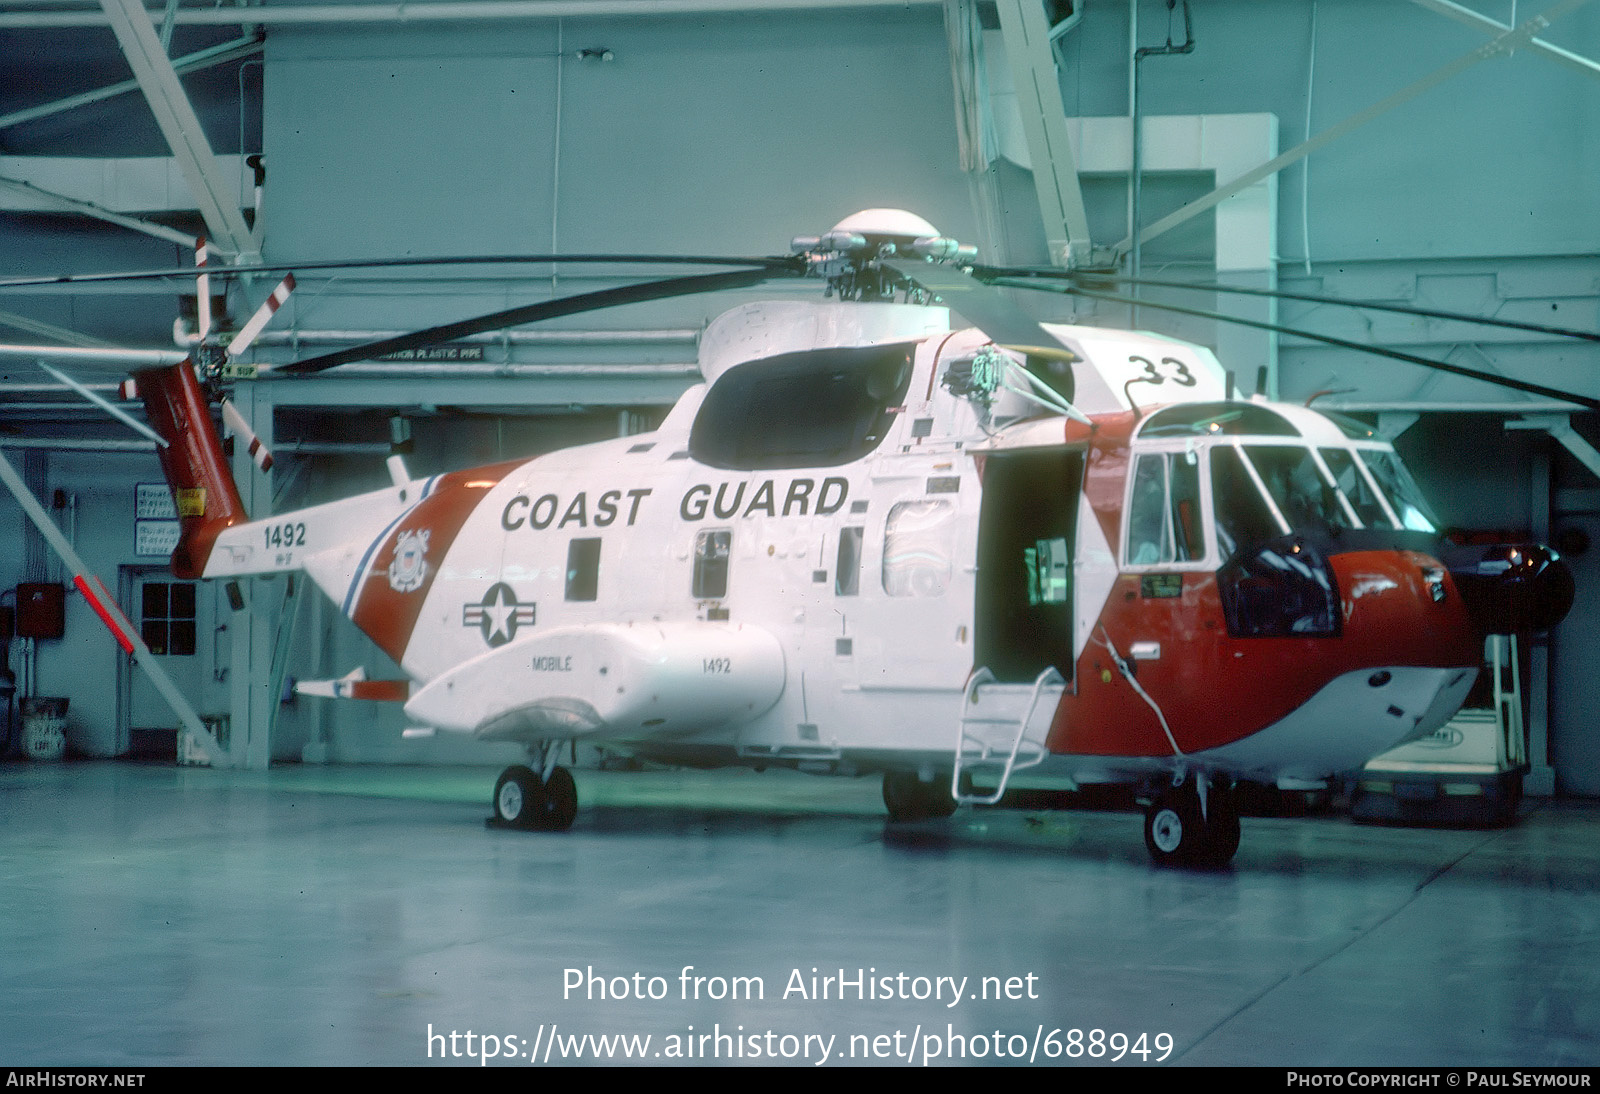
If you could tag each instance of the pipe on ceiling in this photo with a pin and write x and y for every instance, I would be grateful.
(466, 11)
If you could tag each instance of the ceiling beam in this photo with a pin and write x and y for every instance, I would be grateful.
(64, 204)
(1537, 45)
(179, 124)
(464, 11)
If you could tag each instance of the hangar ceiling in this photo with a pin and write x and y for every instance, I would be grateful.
(1017, 65)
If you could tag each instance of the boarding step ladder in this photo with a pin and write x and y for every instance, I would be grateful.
(995, 739)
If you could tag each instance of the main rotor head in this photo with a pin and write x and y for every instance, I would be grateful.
(851, 256)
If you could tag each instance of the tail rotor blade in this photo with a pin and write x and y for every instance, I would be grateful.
(241, 428)
(202, 310)
(261, 318)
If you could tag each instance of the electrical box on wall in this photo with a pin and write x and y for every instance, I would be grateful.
(41, 610)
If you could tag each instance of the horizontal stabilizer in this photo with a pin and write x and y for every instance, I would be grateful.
(355, 685)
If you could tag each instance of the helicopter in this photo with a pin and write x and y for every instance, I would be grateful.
(873, 541)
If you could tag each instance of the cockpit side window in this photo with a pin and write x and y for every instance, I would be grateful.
(1164, 521)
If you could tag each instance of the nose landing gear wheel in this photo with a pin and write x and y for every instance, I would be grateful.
(1177, 834)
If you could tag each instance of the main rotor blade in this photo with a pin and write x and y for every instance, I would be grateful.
(663, 289)
(780, 263)
(989, 311)
(115, 411)
(1410, 358)
(985, 273)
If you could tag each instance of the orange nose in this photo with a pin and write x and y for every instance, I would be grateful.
(1403, 608)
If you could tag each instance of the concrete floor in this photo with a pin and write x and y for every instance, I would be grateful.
(156, 916)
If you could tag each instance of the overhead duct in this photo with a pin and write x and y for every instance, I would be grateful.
(468, 11)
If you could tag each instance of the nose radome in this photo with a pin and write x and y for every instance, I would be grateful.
(1512, 587)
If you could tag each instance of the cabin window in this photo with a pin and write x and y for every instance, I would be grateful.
(711, 564)
(167, 618)
(847, 566)
(917, 548)
(1164, 512)
(817, 408)
(583, 569)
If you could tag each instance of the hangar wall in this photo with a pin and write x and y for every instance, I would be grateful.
(1505, 143)
(733, 132)
(730, 133)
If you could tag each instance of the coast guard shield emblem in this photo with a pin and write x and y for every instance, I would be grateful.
(410, 565)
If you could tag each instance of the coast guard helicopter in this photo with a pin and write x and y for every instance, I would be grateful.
(875, 541)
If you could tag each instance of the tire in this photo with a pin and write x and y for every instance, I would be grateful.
(936, 797)
(519, 799)
(1172, 828)
(909, 799)
(901, 797)
(1175, 834)
(560, 801)
(1221, 835)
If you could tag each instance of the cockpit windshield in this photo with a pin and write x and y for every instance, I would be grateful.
(1396, 482)
(1262, 487)
(1304, 494)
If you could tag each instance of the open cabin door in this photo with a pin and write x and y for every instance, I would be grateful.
(1026, 531)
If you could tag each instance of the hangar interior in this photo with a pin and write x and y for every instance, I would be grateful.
(1430, 153)
(1426, 153)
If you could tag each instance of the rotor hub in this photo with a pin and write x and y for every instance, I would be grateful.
(850, 255)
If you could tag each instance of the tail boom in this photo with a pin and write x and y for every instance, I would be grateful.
(203, 489)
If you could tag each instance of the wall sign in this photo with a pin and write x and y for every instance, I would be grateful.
(155, 520)
(153, 501)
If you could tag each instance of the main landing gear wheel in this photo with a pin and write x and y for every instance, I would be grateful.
(908, 798)
(522, 801)
(1177, 834)
(560, 801)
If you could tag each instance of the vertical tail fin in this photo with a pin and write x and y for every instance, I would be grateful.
(197, 471)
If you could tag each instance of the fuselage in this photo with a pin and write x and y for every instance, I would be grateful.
(1223, 584)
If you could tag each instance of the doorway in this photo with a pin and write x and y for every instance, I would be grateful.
(1026, 532)
(178, 621)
